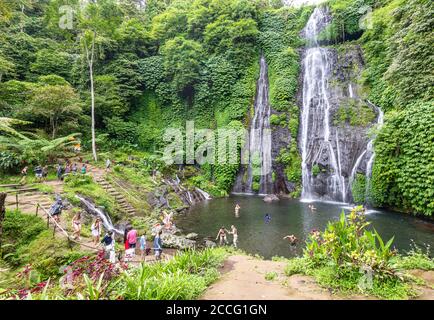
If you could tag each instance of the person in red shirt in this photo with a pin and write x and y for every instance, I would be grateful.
(132, 238)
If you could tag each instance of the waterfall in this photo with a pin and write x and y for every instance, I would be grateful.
(204, 194)
(315, 118)
(93, 210)
(190, 198)
(259, 145)
(356, 166)
(370, 149)
(350, 90)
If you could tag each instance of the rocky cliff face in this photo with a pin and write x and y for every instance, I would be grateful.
(335, 119)
(349, 121)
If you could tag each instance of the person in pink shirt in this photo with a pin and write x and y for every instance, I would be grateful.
(132, 238)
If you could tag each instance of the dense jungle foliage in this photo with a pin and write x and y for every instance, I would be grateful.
(158, 65)
(396, 37)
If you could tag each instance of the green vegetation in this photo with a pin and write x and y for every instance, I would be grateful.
(349, 258)
(315, 170)
(292, 161)
(27, 242)
(270, 276)
(354, 114)
(403, 173)
(398, 76)
(184, 277)
(358, 189)
(396, 40)
(85, 186)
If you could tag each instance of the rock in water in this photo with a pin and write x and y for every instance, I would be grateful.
(210, 244)
(177, 242)
(191, 236)
(271, 198)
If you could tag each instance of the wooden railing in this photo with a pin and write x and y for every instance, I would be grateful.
(56, 225)
(16, 191)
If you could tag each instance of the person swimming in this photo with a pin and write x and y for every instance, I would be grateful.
(312, 207)
(237, 210)
(267, 218)
(292, 239)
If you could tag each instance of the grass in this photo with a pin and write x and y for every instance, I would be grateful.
(270, 276)
(84, 185)
(183, 278)
(26, 240)
(30, 179)
(349, 283)
(415, 259)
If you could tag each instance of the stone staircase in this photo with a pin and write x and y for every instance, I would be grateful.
(27, 201)
(120, 198)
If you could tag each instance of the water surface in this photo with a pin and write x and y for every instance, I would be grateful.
(292, 217)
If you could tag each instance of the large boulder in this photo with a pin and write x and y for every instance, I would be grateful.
(177, 242)
(271, 198)
(192, 236)
(210, 244)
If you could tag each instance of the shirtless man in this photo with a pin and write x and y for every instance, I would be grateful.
(292, 239)
(234, 232)
(237, 210)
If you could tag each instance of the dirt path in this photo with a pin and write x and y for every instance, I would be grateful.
(243, 278)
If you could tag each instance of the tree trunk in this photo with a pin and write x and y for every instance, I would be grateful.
(90, 58)
(2, 217)
(92, 97)
(53, 126)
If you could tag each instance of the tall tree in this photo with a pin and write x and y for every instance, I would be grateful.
(56, 103)
(98, 21)
(90, 57)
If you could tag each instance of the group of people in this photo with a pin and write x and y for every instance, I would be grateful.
(70, 168)
(41, 173)
(222, 236)
(132, 242)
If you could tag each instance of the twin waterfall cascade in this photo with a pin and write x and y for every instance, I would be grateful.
(332, 154)
(315, 124)
(259, 169)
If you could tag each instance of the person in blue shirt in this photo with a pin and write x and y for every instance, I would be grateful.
(143, 246)
(267, 218)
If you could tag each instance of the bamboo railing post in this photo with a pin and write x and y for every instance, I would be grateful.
(37, 209)
(54, 230)
(48, 221)
(16, 198)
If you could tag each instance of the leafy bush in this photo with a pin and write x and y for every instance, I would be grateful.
(9, 161)
(358, 189)
(349, 258)
(78, 180)
(403, 173)
(315, 170)
(415, 259)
